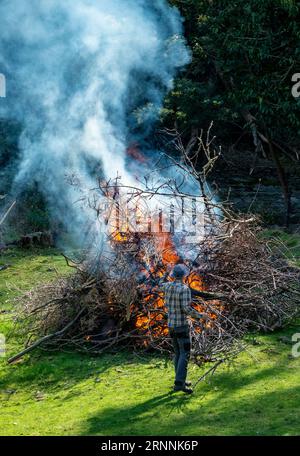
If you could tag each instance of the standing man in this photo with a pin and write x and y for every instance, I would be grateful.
(178, 300)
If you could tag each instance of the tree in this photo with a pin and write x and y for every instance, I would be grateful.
(244, 57)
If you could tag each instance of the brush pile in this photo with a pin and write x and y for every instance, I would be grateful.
(245, 284)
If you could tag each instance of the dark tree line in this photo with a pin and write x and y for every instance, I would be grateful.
(245, 54)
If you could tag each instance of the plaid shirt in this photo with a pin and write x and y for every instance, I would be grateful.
(178, 300)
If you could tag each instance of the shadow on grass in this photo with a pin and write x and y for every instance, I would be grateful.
(122, 420)
(262, 413)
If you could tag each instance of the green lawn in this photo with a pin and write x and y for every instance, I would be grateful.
(124, 394)
(290, 243)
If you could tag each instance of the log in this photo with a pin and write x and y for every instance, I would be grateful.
(40, 238)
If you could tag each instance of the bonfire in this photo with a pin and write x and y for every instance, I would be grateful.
(114, 299)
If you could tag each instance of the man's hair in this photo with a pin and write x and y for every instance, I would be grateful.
(179, 271)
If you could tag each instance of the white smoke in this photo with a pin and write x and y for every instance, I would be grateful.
(76, 71)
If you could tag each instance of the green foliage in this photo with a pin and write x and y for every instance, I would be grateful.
(30, 214)
(9, 153)
(34, 211)
(290, 244)
(244, 55)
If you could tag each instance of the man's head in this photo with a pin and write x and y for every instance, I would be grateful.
(179, 272)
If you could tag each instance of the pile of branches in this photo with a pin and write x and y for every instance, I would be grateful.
(247, 284)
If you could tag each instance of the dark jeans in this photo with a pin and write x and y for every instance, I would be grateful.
(182, 347)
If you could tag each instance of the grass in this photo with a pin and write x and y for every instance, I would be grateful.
(125, 394)
(290, 243)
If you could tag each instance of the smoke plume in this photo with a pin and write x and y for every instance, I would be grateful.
(77, 73)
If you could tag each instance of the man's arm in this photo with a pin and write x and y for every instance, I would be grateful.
(187, 305)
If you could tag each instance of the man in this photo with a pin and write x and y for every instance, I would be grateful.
(178, 300)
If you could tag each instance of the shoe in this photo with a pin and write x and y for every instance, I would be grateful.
(184, 389)
(188, 383)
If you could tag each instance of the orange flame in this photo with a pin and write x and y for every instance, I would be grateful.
(151, 319)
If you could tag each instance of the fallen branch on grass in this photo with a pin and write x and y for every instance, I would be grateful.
(45, 339)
